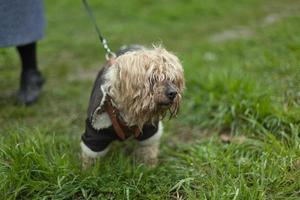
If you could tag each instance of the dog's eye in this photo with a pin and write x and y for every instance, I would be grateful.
(174, 82)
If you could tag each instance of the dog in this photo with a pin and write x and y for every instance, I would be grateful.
(131, 95)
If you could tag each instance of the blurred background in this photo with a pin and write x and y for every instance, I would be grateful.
(241, 62)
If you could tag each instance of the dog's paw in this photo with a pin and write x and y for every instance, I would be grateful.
(86, 162)
(147, 155)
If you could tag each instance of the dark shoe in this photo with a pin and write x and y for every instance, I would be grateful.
(30, 88)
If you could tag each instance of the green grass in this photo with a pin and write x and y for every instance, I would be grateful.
(245, 85)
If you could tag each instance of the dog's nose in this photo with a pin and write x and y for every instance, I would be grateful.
(171, 93)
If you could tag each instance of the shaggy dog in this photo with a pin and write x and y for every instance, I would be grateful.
(131, 95)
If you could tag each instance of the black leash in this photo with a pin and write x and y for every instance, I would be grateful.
(109, 54)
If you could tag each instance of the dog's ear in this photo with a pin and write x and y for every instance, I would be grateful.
(97, 97)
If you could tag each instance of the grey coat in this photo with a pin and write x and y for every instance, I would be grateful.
(21, 22)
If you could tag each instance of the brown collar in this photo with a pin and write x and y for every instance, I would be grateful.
(120, 127)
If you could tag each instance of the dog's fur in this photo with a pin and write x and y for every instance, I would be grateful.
(137, 83)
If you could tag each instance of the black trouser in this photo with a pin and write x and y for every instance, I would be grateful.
(28, 56)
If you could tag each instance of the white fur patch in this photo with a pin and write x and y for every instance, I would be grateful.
(104, 96)
(95, 114)
(92, 154)
(154, 140)
(101, 121)
(110, 76)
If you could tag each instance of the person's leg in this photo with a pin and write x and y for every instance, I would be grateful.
(28, 56)
(31, 79)
(95, 143)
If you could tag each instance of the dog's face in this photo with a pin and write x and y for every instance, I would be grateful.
(146, 85)
(164, 93)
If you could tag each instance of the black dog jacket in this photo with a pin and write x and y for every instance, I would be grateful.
(98, 140)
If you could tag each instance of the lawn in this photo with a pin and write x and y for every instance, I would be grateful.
(235, 137)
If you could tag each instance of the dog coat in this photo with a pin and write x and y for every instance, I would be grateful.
(98, 139)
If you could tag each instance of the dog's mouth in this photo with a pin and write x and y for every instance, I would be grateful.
(165, 104)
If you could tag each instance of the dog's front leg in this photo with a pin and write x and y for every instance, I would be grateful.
(148, 150)
(88, 156)
(147, 154)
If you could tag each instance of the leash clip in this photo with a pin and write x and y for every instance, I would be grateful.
(110, 55)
